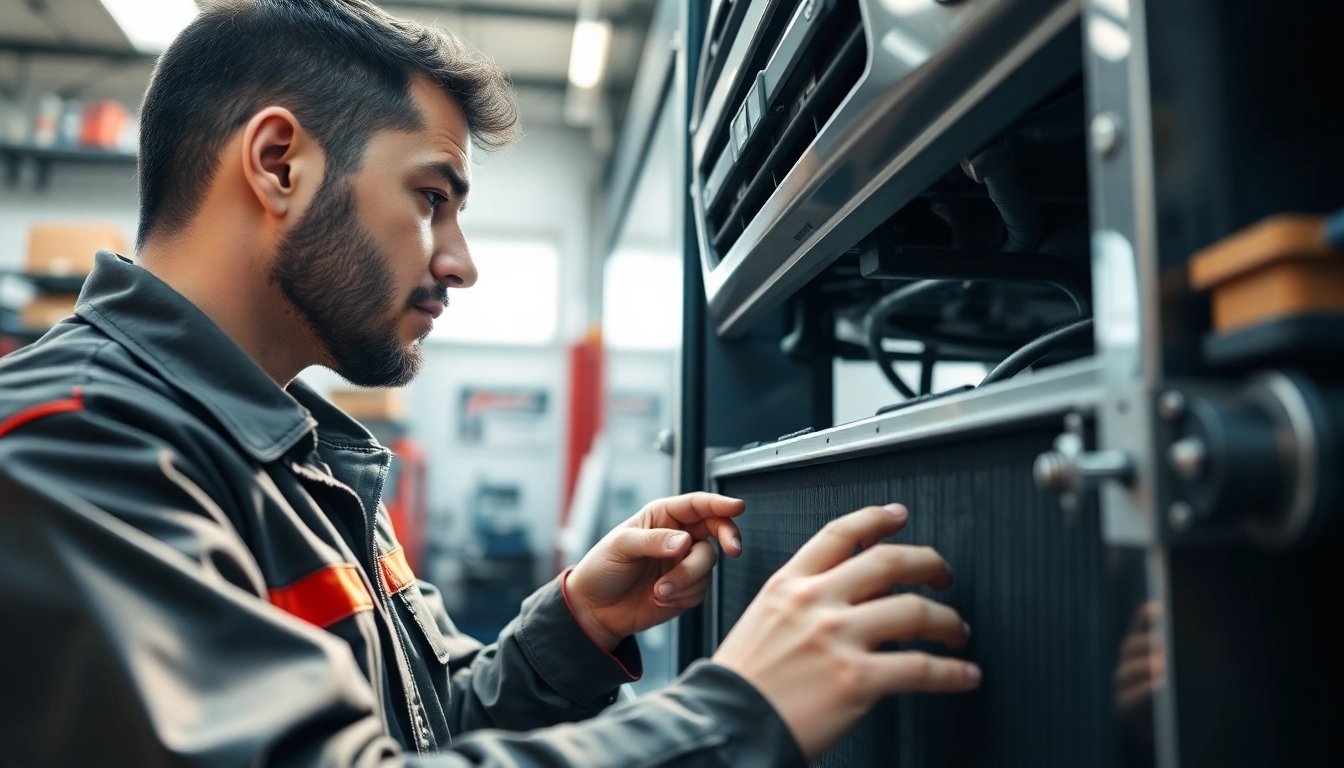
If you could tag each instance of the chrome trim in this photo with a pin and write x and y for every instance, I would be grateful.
(1028, 398)
(877, 152)
(717, 103)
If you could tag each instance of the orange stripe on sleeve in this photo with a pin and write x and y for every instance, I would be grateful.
(396, 572)
(325, 596)
(74, 403)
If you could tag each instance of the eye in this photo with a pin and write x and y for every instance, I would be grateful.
(434, 199)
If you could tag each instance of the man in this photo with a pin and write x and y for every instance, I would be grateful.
(195, 568)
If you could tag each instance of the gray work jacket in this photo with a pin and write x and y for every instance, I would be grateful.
(196, 570)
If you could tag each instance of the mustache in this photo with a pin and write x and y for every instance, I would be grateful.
(427, 293)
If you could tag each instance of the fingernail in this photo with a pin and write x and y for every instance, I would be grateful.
(897, 510)
(664, 590)
(737, 543)
(972, 675)
(675, 541)
(966, 628)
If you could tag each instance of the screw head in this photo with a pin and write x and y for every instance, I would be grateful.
(1171, 405)
(1181, 515)
(1104, 131)
(1187, 456)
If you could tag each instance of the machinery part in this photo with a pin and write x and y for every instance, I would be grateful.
(1038, 348)
(1264, 460)
(882, 260)
(1070, 469)
(996, 168)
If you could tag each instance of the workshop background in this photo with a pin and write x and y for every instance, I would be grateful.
(538, 421)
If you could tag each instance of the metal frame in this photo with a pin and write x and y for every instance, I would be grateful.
(1025, 400)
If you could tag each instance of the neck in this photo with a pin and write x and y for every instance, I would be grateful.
(233, 288)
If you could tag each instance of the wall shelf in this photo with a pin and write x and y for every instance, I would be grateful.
(14, 156)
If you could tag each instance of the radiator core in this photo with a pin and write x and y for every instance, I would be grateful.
(1030, 580)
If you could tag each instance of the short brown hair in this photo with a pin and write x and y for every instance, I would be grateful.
(343, 67)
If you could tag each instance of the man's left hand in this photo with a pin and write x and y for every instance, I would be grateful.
(653, 566)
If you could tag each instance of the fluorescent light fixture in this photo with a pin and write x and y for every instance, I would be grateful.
(588, 56)
(151, 25)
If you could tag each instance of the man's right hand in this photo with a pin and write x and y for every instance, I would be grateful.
(809, 640)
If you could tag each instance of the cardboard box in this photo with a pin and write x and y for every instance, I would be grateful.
(68, 249)
(370, 404)
(47, 310)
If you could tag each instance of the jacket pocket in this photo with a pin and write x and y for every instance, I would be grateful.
(420, 613)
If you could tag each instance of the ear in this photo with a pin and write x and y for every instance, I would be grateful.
(278, 162)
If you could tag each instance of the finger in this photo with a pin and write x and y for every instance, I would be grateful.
(907, 617)
(1135, 645)
(695, 567)
(690, 596)
(1127, 698)
(837, 540)
(912, 671)
(726, 531)
(875, 571)
(633, 544)
(692, 508)
(1133, 672)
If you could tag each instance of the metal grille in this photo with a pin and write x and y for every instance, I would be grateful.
(1029, 579)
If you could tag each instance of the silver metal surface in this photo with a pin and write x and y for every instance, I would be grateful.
(1127, 304)
(908, 120)
(1030, 398)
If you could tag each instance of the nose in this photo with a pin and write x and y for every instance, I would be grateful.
(452, 265)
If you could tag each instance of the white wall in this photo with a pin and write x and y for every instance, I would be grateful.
(85, 193)
(544, 185)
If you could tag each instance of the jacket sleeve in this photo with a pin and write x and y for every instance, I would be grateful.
(136, 632)
(542, 670)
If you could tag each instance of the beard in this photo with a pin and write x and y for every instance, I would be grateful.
(338, 280)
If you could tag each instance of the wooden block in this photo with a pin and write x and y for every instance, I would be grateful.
(370, 404)
(1280, 267)
(68, 249)
(47, 310)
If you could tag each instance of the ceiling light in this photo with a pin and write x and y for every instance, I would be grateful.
(151, 25)
(588, 57)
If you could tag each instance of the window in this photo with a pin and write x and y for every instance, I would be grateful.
(515, 301)
(641, 304)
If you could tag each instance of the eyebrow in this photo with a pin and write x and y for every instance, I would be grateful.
(450, 175)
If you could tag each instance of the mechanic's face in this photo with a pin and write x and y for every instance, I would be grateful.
(369, 263)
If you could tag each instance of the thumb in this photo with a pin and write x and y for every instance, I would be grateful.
(634, 544)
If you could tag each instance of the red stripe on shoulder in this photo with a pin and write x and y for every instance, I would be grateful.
(74, 403)
(326, 596)
(396, 572)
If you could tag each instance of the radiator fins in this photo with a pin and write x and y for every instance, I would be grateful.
(1030, 580)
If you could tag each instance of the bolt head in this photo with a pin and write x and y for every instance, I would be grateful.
(1104, 132)
(1171, 405)
(1181, 515)
(1187, 456)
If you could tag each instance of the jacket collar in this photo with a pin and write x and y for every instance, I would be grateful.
(176, 340)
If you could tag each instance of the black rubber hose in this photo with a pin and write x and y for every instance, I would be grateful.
(877, 322)
(1038, 348)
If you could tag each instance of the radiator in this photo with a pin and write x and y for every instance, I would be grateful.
(1030, 580)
